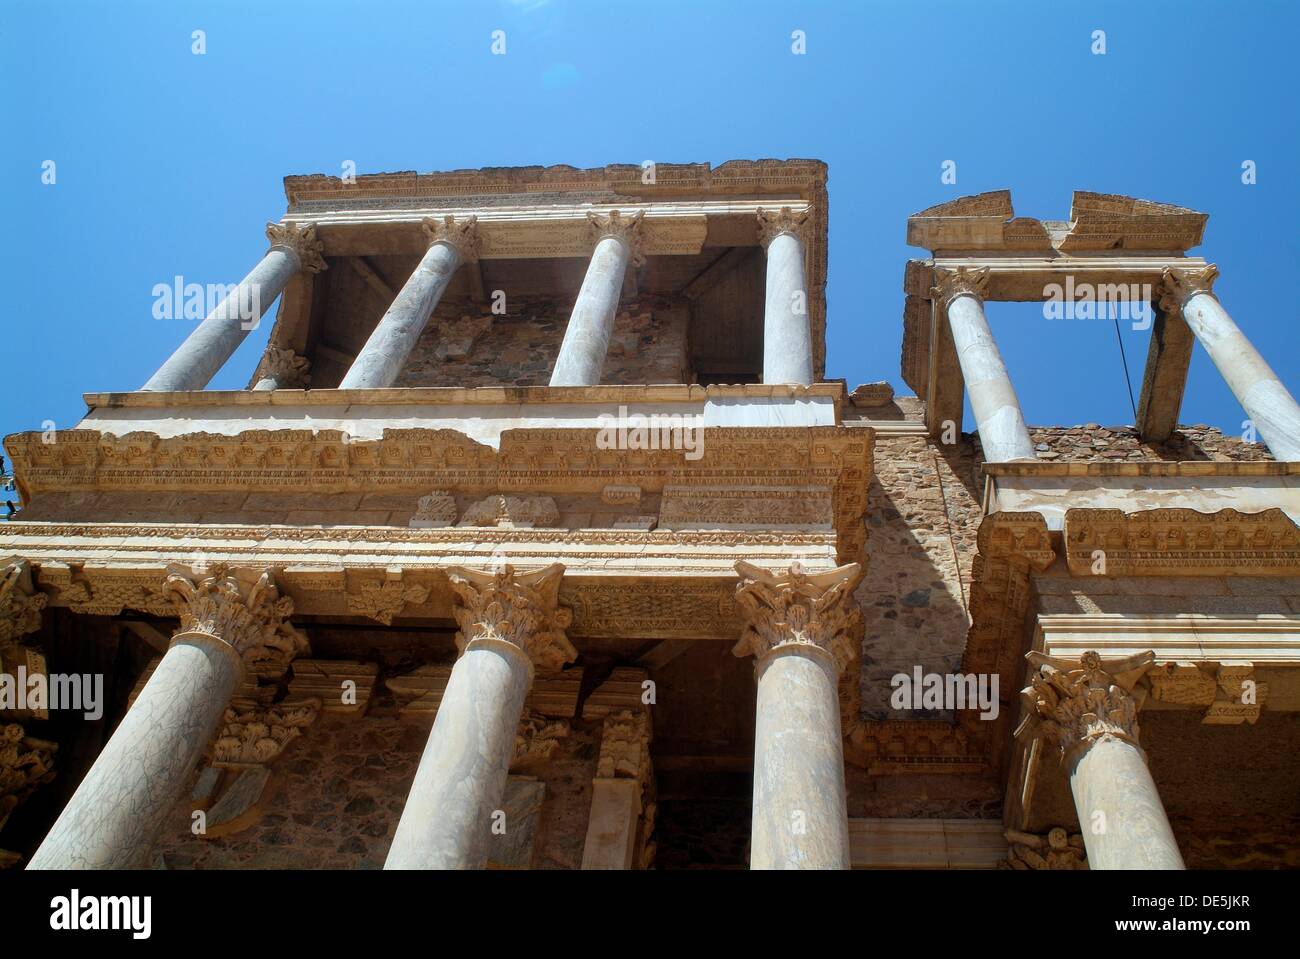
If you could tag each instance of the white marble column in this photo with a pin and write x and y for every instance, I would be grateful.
(214, 340)
(508, 622)
(1269, 405)
(451, 243)
(801, 630)
(282, 369)
(586, 338)
(1088, 711)
(787, 334)
(998, 418)
(114, 817)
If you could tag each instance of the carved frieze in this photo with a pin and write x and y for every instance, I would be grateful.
(642, 609)
(437, 509)
(512, 512)
(703, 507)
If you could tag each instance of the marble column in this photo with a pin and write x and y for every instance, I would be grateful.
(451, 243)
(116, 814)
(508, 622)
(586, 338)
(1001, 425)
(801, 629)
(787, 335)
(1087, 710)
(282, 369)
(1269, 405)
(213, 341)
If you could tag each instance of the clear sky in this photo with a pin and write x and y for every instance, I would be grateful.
(169, 163)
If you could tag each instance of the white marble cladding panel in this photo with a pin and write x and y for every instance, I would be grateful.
(769, 411)
(1053, 495)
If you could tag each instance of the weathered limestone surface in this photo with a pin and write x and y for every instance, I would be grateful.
(801, 629)
(787, 339)
(213, 342)
(586, 338)
(381, 360)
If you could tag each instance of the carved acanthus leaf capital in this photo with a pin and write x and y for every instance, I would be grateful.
(301, 242)
(287, 368)
(794, 608)
(626, 229)
(773, 223)
(1073, 704)
(254, 735)
(459, 233)
(1177, 286)
(251, 619)
(963, 281)
(20, 602)
(521, 609)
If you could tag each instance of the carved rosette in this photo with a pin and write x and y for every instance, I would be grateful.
(772, 223)
(301, 242)
(252, 620)
(626, 230)
(963, 281)
(461, 234)
(1179, 286)
(287, 368)
(794, 609)
(520, 609)
(20, 602)
(1076, 704)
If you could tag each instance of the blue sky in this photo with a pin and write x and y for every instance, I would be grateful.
(170, 163)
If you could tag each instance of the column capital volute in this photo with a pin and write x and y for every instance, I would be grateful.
(520, 609)
(774, 223)
(792, 611)
(963, 281)
(301, 242)
(1075, 703)
(1177, 285)
(20, 601)
(461, 233)
(625, 229)
(243, 610)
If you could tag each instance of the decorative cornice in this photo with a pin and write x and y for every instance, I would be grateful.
(627, 230)
(1177, 286)
(252, 620)
(301, 242)
(774, 223)
(289, 370)
(950, 284)
(520, 609)
(797, 609)
(20, 602)
(461, 234)
(1075, 704)
(255, 735)
(1181, 542)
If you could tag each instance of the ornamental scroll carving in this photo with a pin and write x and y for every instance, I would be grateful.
(797, 608)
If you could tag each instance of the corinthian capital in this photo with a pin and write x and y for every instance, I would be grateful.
(20, 602)
(1073, 704)
(287, 368)
(521, 609)
(625, 229)
(300, 241)
(772, 223)
(963, 281)
(1179, 286)
(797, 609)
(461, 234)
(251, 619)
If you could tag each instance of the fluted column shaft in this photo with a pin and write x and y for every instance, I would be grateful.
(381, 360)
(113, 819)
(586, 338)
(787, 336)
(508, 622)
(998, 417)
(1269, 405)
(801, 630)
(214, 340)
(1087, 709)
